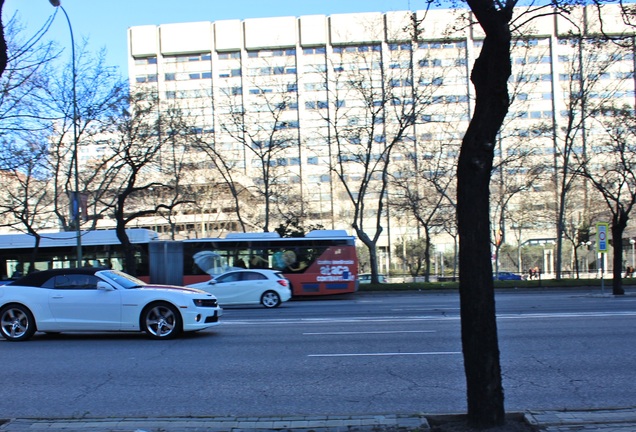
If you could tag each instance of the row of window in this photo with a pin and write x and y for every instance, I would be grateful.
(271, 70)
(406, 46)
(184, 76)
(280, 70)
(449, 62)
(321, 68)
(533, 133)
(427, 45)
(187, 58)
(292, 52)
(272, 53)
(531, 60)
(439, 118)
(291, 161)
(536, 115)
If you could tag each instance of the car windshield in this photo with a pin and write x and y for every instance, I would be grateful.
(125, 280)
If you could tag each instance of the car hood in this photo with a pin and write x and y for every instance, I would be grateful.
(172, 288)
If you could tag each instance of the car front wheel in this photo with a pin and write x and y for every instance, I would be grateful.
(161, 321)
(16, 323)
(270, 299)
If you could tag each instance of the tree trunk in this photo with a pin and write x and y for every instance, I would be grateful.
(619, 222)
(478, 321)
(3, 43)
(427, 257)
(130, 263)
(373, 253)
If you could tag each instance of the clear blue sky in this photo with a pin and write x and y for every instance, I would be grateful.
(104, 23)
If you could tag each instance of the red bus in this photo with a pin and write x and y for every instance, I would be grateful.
(323, 262)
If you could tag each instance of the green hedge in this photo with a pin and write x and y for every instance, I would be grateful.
(547, 283)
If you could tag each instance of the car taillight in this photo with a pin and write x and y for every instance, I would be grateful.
(282, 282)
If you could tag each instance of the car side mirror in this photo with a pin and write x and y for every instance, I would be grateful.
(105, 286)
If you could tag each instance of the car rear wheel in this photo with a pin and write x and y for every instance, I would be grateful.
(270, 299)
(16, 323)
(161, 321)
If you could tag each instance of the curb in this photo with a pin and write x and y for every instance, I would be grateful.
(365, 423)
(612, 419)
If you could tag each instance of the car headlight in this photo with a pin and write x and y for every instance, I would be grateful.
(206, 302)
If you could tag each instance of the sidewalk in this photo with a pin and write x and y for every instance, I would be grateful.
(608, 420)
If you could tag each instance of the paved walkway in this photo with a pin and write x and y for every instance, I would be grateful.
(614, 420)
(608, 420)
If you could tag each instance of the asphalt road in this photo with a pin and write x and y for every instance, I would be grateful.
(370, 353)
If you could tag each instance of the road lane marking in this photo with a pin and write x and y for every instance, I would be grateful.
(363, 319)
(430, 309)
(368, 332)
(385, 354)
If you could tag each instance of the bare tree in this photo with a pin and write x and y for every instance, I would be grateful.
(415, 254)
(585, 92)
(519, 165)
(22, 114)
(101, 96)
(27, 199)
(516, 173)
(480, 347)
(229, 171)
(490, 75)
(264, 122)
(3, 43)
(377, 98)
(26, 203)
(424, 177)
(133, 168)
(421, 189)
(609, 166)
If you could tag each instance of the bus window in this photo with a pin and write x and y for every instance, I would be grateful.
(258, 262)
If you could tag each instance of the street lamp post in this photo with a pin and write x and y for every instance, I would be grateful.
(75, 196)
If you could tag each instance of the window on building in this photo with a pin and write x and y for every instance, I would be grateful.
(140, 61)
(400, 47)
(151, 78)
(229, 55)
(316, 50)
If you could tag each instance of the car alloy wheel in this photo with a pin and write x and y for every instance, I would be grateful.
(16, 323)
(161, 321)
(270, 299)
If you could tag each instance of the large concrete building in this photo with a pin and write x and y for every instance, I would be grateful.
(318, 99)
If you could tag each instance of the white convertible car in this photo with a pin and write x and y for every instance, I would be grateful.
(96, 300)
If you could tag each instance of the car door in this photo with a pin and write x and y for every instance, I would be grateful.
(236, 288)
(77, 304)
(252, 286)
(225, 287)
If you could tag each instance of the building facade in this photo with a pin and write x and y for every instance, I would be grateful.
(317, 112)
